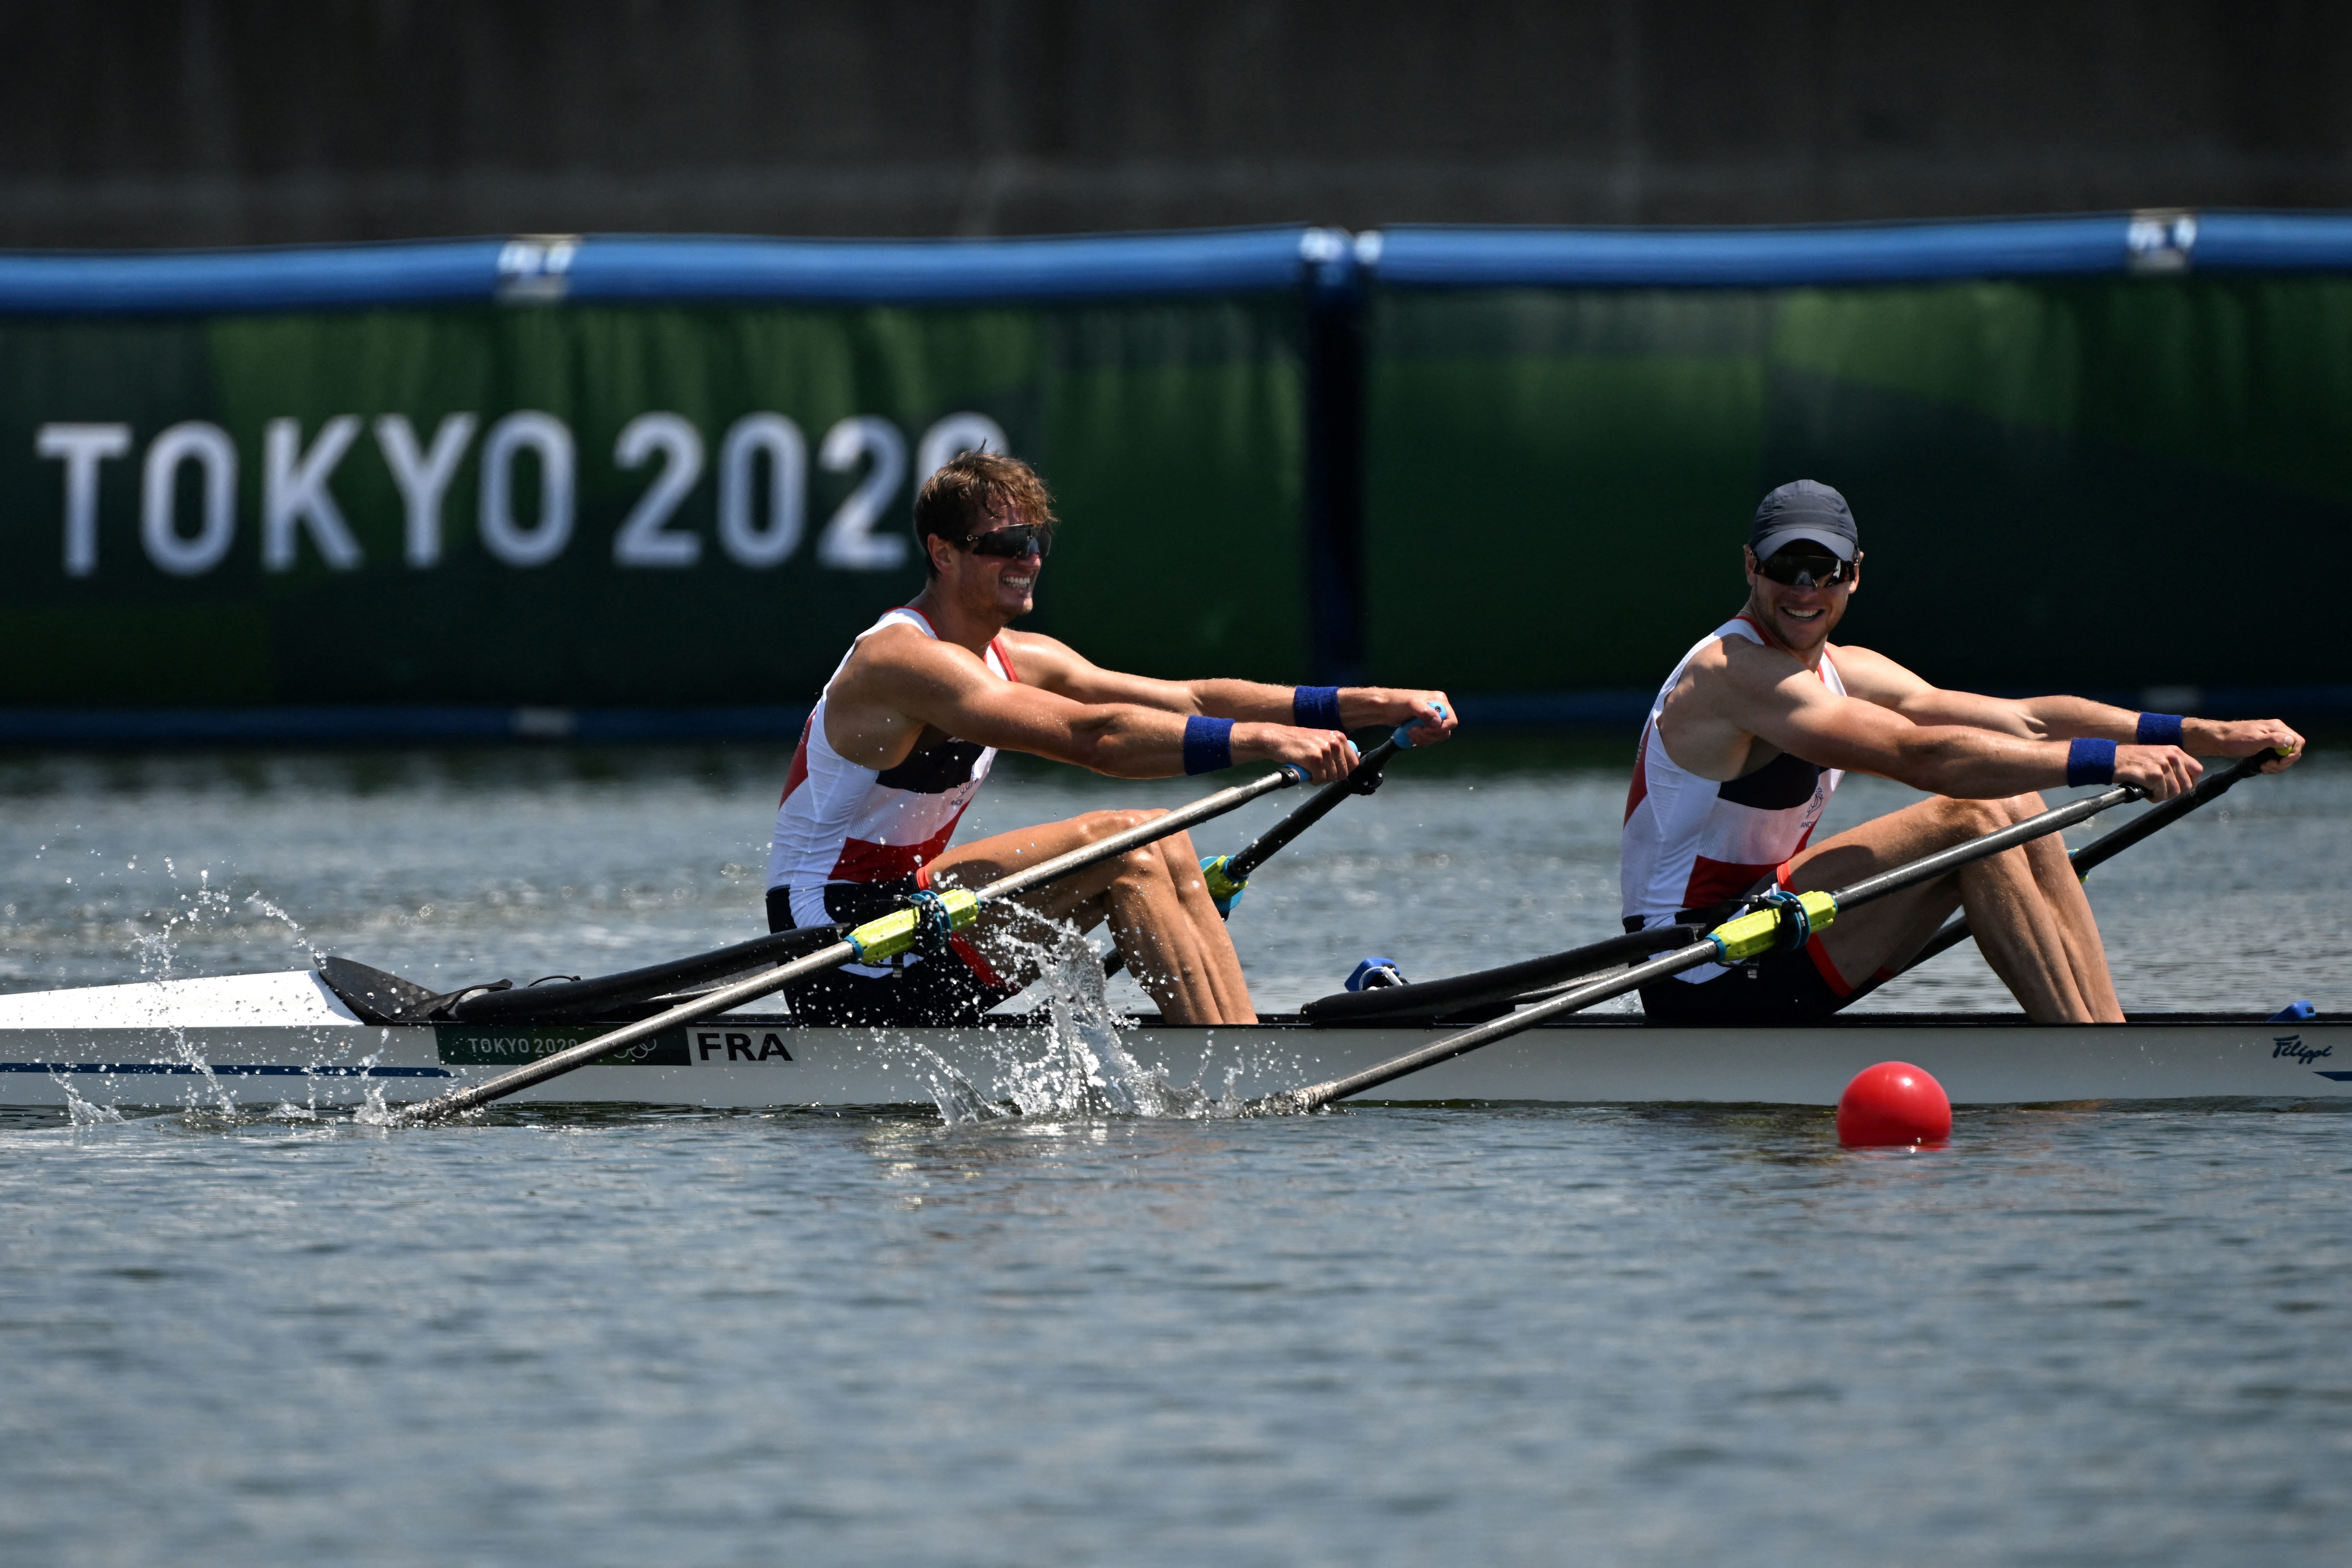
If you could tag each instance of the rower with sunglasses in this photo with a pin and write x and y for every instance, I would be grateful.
(1754, 728)
(906, 728)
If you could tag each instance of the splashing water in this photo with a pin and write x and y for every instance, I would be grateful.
(81, 1111)
(1077, 1067)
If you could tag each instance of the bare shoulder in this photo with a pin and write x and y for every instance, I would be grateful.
(1748, 670)
(1041, 660)
(896, 655)
(1705, 724)
(1872, 677)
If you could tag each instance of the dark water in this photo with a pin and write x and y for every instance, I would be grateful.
(1396, 1335)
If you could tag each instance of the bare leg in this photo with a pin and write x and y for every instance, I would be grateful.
(2027, 909)
(1159, 909)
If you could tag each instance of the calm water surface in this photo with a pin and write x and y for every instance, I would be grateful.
(1399, 1335)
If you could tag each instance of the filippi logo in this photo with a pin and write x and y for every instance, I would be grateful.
(2293, 1045)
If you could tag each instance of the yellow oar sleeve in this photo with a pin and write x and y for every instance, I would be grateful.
(901, 929)
(1755, 933)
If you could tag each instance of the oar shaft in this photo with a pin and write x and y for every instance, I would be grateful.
(2158, 818)
(1150, 832)
(1641, 975)
(1361, 778)
(773, 980)
(1924, 869)
(556, 1065)
(2110, 844)
(1927, 867)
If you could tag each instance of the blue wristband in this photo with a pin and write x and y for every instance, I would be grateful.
(1316, 708)
(1209, 745)
(2090, 762)
(2159, 730)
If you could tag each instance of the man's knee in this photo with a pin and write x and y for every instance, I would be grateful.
(1097, 826)
(2022, 807)
(1973, 818)
(1145, 861)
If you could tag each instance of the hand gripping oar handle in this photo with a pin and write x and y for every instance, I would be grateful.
(1228, 875)
(1785, 924)
(2158, 817)
(932, 917)
(2110, 845)
(1363, 779)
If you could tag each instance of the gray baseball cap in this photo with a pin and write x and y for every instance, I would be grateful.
(1808, 509)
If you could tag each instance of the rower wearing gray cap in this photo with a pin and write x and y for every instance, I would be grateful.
(1753, 730)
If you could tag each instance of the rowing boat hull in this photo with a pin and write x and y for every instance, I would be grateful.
(266, 1040)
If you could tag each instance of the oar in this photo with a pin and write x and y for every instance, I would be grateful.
(2110, 845)
(1228, 875)
(927, 922)
(1784, 925)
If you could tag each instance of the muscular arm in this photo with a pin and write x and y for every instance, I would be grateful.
(1874, 677)
(899, 683)
(1057, 666)
(1740, 687)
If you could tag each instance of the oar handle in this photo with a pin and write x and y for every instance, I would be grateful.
(1401, 736)
(2155, 818)
(1363, 779)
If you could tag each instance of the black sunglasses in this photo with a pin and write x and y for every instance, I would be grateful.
(1012, 541)
(1796, 571)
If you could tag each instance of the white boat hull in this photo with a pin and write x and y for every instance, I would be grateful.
(272, 1039)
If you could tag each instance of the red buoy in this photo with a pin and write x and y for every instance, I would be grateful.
(1893, 1103)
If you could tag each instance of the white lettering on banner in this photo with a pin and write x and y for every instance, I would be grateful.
(294, 491)
(952, 437)
(502, 536)
(423, 477)
(83, 448)
(641, 541)
(787, 452)
(762, 491)
(208, 447)
(849, 542)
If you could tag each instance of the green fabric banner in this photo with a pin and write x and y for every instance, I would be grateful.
(2062, 485)
(618, 506)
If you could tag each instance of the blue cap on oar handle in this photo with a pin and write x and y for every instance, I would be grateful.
(1403, 736)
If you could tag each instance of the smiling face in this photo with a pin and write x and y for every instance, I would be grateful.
(1799, 616)
(988, 587)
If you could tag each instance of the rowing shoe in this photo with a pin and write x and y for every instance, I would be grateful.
(925, 924)
(1785, 924)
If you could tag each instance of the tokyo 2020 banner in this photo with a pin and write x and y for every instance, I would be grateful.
(614, 505)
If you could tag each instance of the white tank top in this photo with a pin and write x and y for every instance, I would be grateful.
(1690, 841)
(839, 821)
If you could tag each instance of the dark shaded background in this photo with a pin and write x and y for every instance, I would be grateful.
(241, 122)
